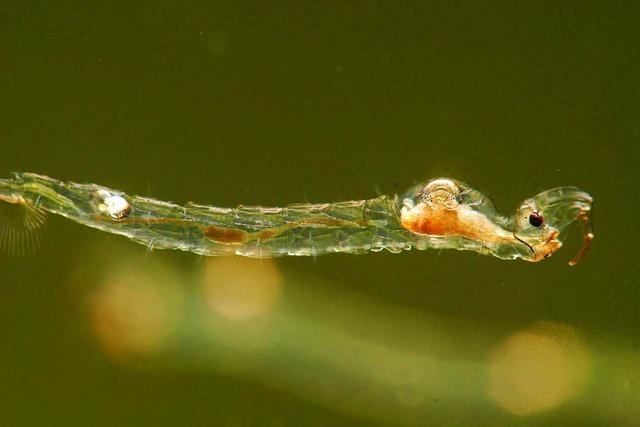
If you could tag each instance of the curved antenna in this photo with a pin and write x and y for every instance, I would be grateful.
(587, 237)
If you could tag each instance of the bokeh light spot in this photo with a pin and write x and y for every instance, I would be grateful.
(242, 288)
(538, 368)
(134, 311)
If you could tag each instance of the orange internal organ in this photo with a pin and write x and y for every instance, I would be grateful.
(461, 221)
(225, 235)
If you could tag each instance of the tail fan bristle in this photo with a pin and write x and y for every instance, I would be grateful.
(21, 225)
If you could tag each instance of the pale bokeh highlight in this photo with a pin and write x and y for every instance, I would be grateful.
(538, 368)
(241, 288)
(134, 312)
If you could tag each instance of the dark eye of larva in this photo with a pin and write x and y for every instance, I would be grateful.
(536, 219)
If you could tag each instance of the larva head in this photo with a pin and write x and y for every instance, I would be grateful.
(539, 221)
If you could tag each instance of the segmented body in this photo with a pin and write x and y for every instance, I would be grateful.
(443, 213)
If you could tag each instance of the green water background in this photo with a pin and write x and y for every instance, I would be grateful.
(277, 102)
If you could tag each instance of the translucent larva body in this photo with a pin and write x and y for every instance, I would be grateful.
(441, 213)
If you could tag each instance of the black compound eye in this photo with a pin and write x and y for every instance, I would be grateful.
(536, 219)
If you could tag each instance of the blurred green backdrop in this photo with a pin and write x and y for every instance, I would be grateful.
(268, 103)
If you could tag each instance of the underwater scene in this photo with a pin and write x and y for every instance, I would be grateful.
(319, 213)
